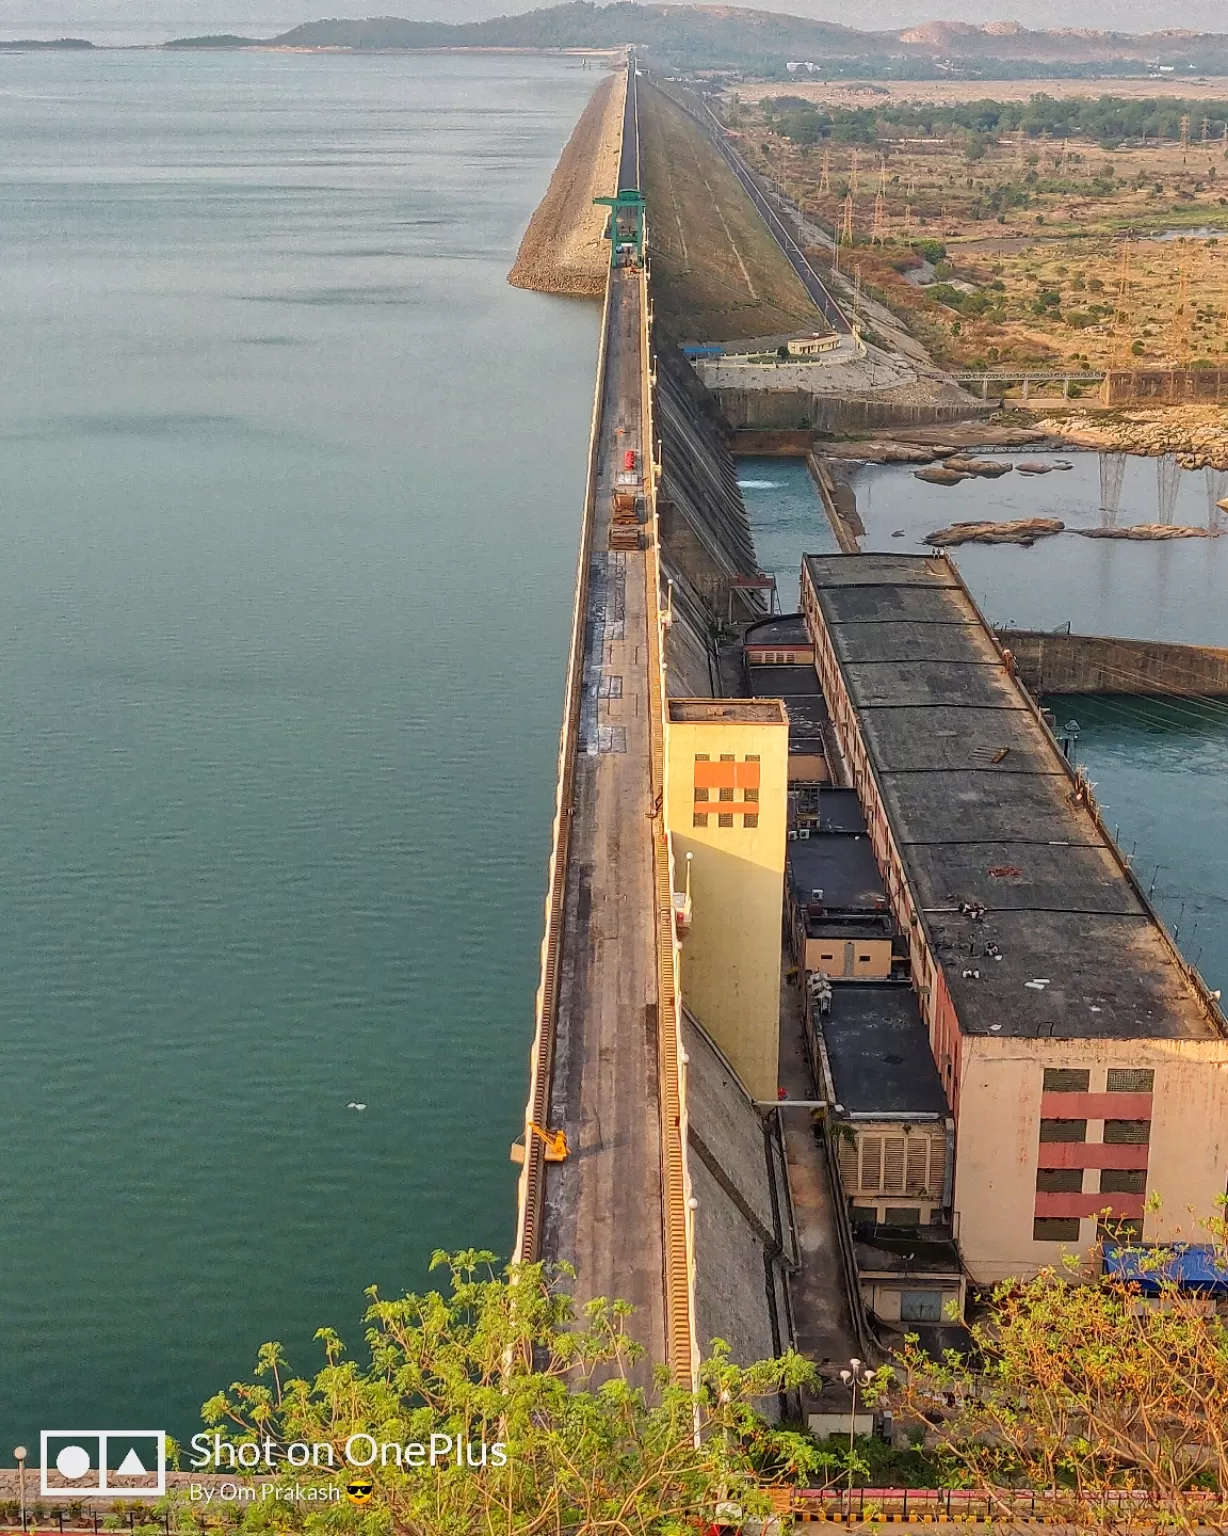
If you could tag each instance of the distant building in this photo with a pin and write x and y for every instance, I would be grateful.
(813, 346)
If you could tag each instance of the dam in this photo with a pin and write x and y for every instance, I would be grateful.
(849, 999)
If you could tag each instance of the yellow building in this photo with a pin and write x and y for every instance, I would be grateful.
(726, 805)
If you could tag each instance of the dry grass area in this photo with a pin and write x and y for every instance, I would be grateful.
(564, 249)
(718, 275)
(1026, 243)
(936, 93)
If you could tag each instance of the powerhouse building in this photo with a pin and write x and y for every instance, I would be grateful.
(1084, 1061)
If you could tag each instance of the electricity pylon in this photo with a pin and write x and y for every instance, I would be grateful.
(1121, 314)
(825, 175)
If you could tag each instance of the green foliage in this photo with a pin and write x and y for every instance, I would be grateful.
(595, 1438)
(1077, 1386)
(1108, 120)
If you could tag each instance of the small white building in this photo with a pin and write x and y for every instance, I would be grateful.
(813, 346)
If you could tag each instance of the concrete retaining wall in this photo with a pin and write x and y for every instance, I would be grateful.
(795, 410)
(1164, 386)
(1049, 663)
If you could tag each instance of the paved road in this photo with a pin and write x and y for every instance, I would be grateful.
(604, 1204)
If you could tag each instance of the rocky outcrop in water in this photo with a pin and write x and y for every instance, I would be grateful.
(1153, 532)
(1023, 530)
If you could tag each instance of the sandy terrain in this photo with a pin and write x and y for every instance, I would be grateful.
(854, 93)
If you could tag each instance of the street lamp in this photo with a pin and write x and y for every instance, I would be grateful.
(21, 1453)
(853, 1378)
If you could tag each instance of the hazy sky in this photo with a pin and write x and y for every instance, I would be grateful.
(131, 21)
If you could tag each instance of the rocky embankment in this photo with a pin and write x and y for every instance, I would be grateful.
(1196, 434)
(564, 248)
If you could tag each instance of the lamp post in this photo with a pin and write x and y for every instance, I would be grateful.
(21, 1453)
(853, 1378)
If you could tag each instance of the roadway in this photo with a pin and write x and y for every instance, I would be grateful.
(597, 1068)
(604, 1204)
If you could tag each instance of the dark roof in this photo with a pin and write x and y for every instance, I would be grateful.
(985, 810)
(782, 629)
(903, 1255)
(850, 925)
(879, 1052)
(842, 867)
(783, 682)
(840, 810)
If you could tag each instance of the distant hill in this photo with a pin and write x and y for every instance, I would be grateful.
(39, 44)
(728, 37)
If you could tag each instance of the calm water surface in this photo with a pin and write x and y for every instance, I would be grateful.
(289, 493)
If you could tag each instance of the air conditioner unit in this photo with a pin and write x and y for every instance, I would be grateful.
(803, 831)
(793, 834)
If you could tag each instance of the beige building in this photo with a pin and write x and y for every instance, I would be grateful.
(726, 805)
(1085, 1062)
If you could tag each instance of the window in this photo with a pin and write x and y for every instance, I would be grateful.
(751, 796)
(864, 1215)
(1064, 1130)
(1055, 1229)
(702, 757)
(1118, 1133)
(863, 959)
(701, 794)
(724, 821)
(699, 819)
(1123, 1181)
(725, 794)
(727, 757)
(1131, 1080)
(1119, 1229)
(1066, 1080)
(920, 1306)
(750, 821)
(902, 1216)
(752, 757)
(1060, 1181)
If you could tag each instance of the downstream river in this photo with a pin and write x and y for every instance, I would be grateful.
(289, 496)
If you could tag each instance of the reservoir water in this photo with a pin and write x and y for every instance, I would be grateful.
(1158, 765)
(289, 493)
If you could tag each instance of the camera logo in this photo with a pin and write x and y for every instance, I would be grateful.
(103, 1463)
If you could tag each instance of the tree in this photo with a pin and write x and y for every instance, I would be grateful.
(1091, 1392)
(562, 1424)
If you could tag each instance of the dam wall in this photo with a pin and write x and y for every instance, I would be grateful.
(800, 410)
(705, 534)
(1062, 663)
(1164, 386)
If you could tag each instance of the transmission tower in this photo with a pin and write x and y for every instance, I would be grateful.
(825, 174)
(846, 225)
(882, 174)
(1180, 329)
(1185, 136)
(1206, 130)
(853, 187)
(907, 220)
(1112, 477)
(912, 175)
(1122, 313)
(1019, 136)
(880, 219)
(1168, 483)
(1065, 154)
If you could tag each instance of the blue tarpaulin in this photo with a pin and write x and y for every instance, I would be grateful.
(1189, 1266)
